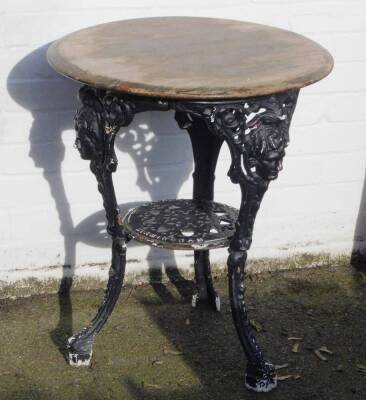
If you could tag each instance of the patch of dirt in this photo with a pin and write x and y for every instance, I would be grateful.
(155, 346)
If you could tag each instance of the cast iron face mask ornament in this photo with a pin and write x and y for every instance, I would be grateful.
(256, 131)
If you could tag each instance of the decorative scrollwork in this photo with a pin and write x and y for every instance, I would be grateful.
(97, 121)
(182, 224)
(256, 128)
(116, 112)
(88, 125)
(256, 131)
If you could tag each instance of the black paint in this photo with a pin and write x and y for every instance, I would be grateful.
(256, 131)
(182, 224)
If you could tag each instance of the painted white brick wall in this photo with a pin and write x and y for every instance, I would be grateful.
(50, 211)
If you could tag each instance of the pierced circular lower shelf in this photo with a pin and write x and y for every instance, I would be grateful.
(182, 224)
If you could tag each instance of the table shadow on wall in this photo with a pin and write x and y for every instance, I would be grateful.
(52, 101)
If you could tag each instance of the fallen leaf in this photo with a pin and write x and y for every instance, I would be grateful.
(361, 368)
(320, 355)
(152, 386)
(295, 338)
(172, 352)
(281, 366)
(295, 377)
(295, 348)
(324, 349)
(283, 377)
(256, 325)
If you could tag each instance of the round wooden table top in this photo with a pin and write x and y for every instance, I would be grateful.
(190, 58)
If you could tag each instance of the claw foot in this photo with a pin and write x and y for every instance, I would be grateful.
(79, 356)
(261, 379)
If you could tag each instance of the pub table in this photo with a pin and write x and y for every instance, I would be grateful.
(227, 81)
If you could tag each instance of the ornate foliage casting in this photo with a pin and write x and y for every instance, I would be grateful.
(182, 224)
(256, 131)
(256, 128)
(97, 122)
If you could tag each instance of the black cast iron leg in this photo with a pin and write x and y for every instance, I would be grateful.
(256, 131)
(260, 375)
(206, 148)
(204, 284)
(97, 121)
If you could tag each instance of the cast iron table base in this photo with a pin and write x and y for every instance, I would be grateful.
(256, 131)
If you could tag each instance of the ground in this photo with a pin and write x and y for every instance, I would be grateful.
(155, 346)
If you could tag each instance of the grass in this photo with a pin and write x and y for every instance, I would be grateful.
(155, 346)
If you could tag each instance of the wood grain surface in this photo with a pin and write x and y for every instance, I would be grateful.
(190, 58)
